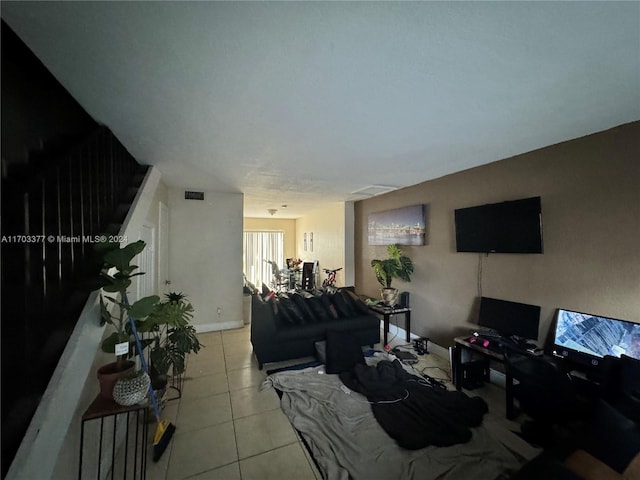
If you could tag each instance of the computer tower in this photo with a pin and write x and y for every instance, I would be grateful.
(474, 373)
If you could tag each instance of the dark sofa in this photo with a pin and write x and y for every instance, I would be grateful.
(287, 326)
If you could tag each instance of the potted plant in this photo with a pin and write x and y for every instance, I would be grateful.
(396, 266)
(114, 280)
(169, 349)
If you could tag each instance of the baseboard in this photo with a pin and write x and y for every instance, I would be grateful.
(438, 350)
(216, 327)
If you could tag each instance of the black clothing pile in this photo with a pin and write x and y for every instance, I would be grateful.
(412, 411)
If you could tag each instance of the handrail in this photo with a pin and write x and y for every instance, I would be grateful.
(54, 208)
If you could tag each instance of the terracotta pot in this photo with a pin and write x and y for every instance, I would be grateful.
(109, 374)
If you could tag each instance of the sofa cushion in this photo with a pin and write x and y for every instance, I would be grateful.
(342, 306)
(343, 352)
(318, 331)
(303, 304)
(356, 303)
(329, 307)
(320, 312)
(291, 311)
(282, 315)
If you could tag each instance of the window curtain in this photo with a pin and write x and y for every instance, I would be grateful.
(260, 248)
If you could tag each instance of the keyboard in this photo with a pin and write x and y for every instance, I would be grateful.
(489, 333)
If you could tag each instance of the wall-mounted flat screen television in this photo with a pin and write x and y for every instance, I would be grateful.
(585, 338)
(509, 319)
(507, 227)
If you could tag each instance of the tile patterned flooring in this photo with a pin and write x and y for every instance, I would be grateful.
(227, 429)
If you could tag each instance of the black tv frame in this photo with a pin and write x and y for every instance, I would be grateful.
(575, 356)
(514, 226)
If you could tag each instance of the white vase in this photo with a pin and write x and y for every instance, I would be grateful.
(389, 296)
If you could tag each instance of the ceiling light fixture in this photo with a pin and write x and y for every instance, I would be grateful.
(272, 211)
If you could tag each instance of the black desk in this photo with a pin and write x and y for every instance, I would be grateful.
(488, 355)
(386, 313)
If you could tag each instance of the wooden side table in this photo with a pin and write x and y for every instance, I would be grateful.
(386, 313)
(118, 426)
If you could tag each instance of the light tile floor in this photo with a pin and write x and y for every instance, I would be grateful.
(227, 429)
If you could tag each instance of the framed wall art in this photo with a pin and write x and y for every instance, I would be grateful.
(404, 226)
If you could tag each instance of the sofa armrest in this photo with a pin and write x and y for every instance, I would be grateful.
(263, 321)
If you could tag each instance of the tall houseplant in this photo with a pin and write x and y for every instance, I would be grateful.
(168, 350)
(114, 280)
(396, 266)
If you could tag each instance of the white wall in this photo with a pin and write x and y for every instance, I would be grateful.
(205, 256)
(328, 227)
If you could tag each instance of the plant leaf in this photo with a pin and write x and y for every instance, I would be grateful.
(144, 307)
(109, 343)
(121, 258)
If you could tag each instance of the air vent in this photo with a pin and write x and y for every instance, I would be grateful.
(193, 195)
(373, 190)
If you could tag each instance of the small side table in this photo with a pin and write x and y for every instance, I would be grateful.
(386, 313)
(114, 418)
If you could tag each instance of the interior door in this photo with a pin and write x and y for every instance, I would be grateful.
(164, 283)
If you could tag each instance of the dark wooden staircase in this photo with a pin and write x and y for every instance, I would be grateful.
(53, 208)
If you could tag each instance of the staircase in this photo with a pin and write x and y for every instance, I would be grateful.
(54, 207)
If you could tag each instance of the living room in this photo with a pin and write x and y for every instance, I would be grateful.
(589, 191)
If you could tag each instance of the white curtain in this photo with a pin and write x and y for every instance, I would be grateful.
(260, 248)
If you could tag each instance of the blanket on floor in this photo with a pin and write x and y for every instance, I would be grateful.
(347, 442)
(411, 411)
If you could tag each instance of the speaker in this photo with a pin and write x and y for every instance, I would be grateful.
(403, 299)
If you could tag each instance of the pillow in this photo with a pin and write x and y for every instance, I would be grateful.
(305, 309)
(344, 309)
(282, 313)
(328, 306)
(356, 303)
(265, 290)
(292, 311)
(343, 352)
(614, 438)
(321, 314)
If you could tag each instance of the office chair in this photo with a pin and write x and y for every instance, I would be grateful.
(543, 391)
(620, 385)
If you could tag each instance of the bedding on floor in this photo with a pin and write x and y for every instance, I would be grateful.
(347, 441)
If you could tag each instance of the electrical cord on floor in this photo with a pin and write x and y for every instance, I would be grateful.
(447, 377)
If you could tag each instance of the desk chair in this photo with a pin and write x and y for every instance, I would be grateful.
(621, 384)
(543, 392)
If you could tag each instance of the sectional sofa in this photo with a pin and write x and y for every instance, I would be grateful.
(287, 326)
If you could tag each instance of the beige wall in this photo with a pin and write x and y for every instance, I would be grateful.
(285, 225)
(590, 190)
(205, 256)
(328, 227)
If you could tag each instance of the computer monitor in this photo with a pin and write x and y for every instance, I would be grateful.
(510, 319)
(585, 338)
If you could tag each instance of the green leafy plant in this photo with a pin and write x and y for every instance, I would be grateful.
(114, 280)
(396, 266)
(168, 350)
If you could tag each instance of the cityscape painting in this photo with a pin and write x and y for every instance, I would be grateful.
(403, 226)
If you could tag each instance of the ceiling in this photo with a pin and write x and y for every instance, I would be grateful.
(302, 103)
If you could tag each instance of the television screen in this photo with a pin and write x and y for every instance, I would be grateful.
(585, 338)
(508, 227)
(510, 318)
